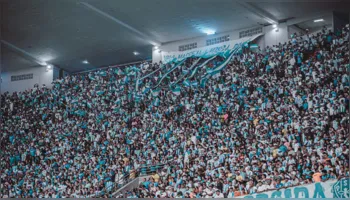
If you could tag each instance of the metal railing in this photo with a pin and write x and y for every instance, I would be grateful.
(269, 190)
(128, 177)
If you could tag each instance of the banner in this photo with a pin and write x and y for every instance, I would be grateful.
(200, 66)
(222, 49)
(155, 92)
(176, 90)
(189, 69)
(328, 189)
(217, 69)
(168, 72)
(148, 75)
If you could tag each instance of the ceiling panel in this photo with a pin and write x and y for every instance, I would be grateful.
(64, 32)
(55, 31)
(296, 8)
(111, 58)
(12, 61)
(168, 20)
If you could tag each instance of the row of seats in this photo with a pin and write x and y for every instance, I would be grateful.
(269, 119)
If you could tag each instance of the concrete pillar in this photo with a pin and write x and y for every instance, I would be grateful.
(275, 35)
(340, 19)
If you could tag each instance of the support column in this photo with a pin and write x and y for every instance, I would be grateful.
(340, 19)
(275, 35)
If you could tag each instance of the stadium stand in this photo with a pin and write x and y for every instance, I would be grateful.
(231, 126)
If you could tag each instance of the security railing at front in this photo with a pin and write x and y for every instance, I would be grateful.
(141, 171)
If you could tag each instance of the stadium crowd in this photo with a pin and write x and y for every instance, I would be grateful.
(268, 120)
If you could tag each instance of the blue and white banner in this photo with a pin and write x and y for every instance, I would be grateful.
(168, 72)
(155, 92)
(176, 90)
(137, 97)
(189, 69)
(216, 70)
(187, 83)
(148, 75)
(224, 49)
(328, 189)
(145, 89)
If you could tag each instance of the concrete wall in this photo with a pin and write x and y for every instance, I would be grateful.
(40, 76)
(273, 36)
(201, 42)
(293, 29)
(156, 55)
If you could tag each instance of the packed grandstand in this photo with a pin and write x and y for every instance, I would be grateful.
(267, 120)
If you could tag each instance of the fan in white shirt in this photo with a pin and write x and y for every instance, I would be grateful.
(218, 194)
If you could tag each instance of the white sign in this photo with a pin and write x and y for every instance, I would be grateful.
(224, 48)
(328, 189)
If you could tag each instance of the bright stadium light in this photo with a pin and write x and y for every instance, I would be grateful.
(209, 32)
(49, 66)
(156, 47)
(274, 26)
(136, 53)
(318, 20)
(85, 61)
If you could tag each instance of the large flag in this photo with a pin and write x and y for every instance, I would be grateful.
(253, 46)
(155, 92)
(126, 79)
(203, 82)
(103, 73)
(100, 92)
(187, 83)
(194, 84)
(194, 72)
(145, 89)
(74, 101)
(118, 71)
(80, 112)
(137, 97)
(135, 68)
(176, 90)
(91, 77)
(215, 74)
(156, 102)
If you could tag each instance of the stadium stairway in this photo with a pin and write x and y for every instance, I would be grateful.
(131, 180)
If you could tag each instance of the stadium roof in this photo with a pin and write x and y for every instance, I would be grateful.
(105, 32)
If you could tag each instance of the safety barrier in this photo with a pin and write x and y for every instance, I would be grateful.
(120, 184)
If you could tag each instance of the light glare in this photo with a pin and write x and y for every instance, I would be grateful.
(209, 32)
(318, 20)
